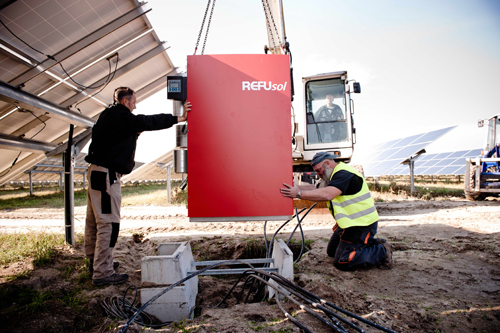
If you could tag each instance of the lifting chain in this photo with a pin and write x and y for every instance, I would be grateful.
(201, 29)
(208, 25)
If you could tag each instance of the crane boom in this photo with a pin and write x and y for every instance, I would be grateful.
(275, 26)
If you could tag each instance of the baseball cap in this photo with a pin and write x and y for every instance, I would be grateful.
(321, 156)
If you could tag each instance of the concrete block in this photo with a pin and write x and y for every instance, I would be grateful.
(169, 266)
(283, 259)
(176, 304)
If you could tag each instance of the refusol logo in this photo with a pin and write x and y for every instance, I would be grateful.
(257, 85)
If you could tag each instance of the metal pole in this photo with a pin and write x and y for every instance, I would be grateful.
(169, 183)
(84, 179)
(31, 182)
(412, 167)
(61, 179)
(69, 191)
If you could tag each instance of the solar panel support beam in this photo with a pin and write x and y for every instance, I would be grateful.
(81, 44)
(79, 141)
(16, 143)
(29, 101)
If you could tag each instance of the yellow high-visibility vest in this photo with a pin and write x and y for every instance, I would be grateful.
(353, 210)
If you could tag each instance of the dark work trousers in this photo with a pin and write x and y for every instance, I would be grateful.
(355, 247)
(102, 223)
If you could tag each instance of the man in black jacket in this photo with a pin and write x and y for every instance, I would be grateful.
(111, 155)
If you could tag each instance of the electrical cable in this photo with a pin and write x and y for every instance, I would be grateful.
(12, 165)
(106, 84)
(306, 296)
(293, 289)
(281, 227)
(31, 47)
(90, 87)
(116, 308)
(54, 59)
(302, 235)
(322, 301)
(303, 217)
(265, 237)
(299, 224)
(301, 306)
(291, 318)
(131, 319)
(15, 160)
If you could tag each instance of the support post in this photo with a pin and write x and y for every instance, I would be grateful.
(85, 179)
(69, 191)
(412, 175)
(31, 182)
(61, 174)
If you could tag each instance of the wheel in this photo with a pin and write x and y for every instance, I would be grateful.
(475, 197)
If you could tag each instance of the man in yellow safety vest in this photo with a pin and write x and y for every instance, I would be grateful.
(352, 244)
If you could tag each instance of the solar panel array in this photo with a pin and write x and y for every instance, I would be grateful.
(450, 163)
(389, 155)
(82, 35)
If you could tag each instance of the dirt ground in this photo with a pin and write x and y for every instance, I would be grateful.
(446, 274)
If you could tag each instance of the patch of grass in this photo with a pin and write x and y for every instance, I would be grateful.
(73, 298)
(181, 327)
(41, 200)
(255, 248)
(144, 194)
(18, 246)
(383, 191)
(84, 277)
(307, 242)
(36, 300)
(19, 276)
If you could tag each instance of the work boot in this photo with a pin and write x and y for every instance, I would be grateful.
(116, 264)
(388, 256)
(113, 279)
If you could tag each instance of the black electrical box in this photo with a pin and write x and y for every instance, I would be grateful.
(177, 88)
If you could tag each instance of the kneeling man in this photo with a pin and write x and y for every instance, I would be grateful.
(352, 244)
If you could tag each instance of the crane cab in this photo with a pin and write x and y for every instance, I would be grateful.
(328, 118)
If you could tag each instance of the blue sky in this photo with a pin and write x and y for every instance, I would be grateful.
(422, 65)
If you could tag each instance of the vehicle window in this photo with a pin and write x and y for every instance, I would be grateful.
(325, 107)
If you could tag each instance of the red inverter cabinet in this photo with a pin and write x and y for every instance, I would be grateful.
(239, 137)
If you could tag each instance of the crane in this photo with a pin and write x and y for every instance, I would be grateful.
(328, 108)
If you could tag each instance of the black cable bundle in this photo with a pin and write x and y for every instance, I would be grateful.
(292, 292)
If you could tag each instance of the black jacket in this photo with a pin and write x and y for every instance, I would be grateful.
(114, 136)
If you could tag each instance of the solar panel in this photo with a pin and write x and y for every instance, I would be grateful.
(449, 163)
(82, 35)
(387, 157)
(445, 163)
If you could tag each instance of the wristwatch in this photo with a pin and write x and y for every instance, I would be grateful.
(298, 195)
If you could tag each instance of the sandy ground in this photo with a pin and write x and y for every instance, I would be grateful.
(446, 274)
